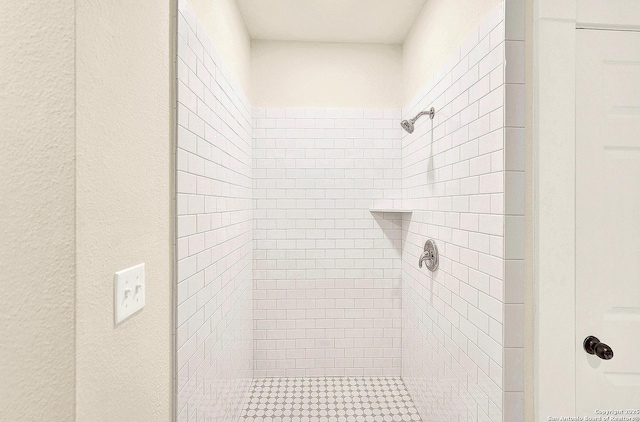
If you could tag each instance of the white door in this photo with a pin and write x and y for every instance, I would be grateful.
(608, 219)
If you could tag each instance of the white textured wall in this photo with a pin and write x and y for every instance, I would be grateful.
(439, 29)
(225, 26)
(462, 325)
(124, 212)
(327, 270)
(214, 360)
(37, 219)
(338, 75)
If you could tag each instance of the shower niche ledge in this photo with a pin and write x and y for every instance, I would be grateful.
(394, 206)
(400, 210)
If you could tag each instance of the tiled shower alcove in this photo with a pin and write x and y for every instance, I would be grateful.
(284, 274)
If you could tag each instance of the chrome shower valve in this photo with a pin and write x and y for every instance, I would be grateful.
(429, 256)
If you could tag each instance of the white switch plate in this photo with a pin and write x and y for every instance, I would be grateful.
(128, 292)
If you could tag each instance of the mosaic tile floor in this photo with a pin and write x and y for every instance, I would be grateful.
(340, 399)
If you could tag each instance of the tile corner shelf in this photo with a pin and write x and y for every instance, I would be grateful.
(400, 210)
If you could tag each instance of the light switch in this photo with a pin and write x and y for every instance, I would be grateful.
(128, 292)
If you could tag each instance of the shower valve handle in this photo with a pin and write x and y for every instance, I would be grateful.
(426, 256)
(430, 256)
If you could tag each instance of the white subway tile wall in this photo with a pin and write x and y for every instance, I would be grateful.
(214, 246)
(454, 330)
(327, 271)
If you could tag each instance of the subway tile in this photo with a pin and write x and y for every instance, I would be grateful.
(513, 369)
(514, 281)
(515, 62)
(515, 113)
(514, 237)
(515, 19)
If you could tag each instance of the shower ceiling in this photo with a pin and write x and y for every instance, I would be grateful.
(361, 21)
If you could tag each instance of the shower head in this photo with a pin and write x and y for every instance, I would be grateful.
(408, 124)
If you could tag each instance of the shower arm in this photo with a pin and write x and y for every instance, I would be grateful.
(431, 113)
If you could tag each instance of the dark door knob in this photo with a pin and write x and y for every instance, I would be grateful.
(593, 346)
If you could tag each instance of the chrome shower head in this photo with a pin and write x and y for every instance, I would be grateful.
(408, 124)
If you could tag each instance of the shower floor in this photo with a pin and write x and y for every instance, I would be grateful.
(332, 399)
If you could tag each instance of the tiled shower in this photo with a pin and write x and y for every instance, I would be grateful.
(298, 233)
